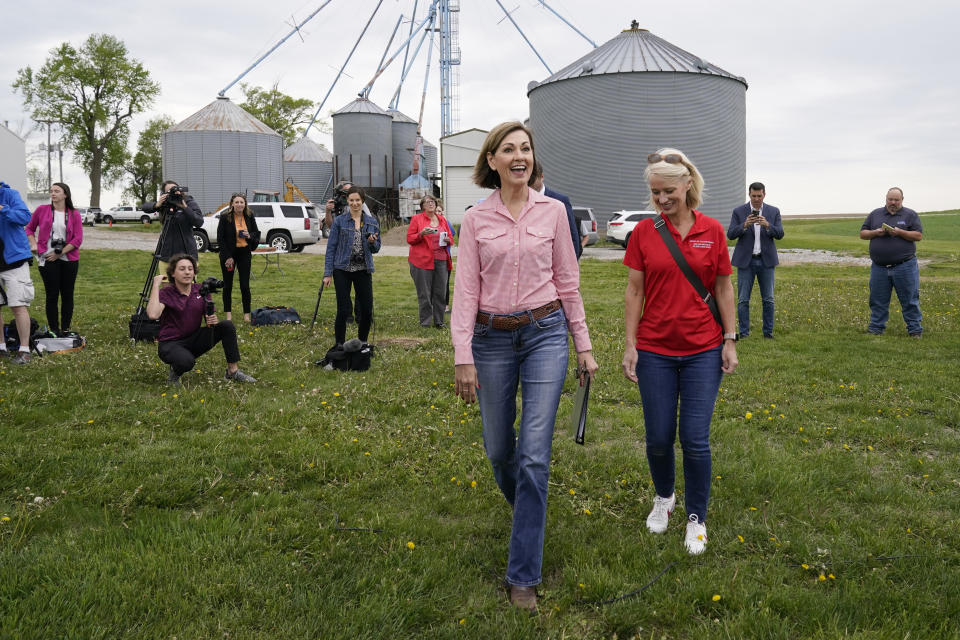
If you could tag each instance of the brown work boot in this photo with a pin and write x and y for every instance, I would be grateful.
(524, 597)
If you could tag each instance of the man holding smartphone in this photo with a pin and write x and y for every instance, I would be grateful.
(755, 226)
(893, 232)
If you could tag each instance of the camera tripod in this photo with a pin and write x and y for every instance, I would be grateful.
(136, 325)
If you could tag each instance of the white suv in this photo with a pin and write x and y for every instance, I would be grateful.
(621, 225)
(127, 213)
(288, 226)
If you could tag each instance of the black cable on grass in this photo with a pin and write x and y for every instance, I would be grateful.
(337, 526)
(627, 595)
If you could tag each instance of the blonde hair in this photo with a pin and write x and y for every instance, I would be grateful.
(677, 171)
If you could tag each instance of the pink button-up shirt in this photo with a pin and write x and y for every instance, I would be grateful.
(506, 265)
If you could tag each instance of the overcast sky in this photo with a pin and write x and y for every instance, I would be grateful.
(845, 98)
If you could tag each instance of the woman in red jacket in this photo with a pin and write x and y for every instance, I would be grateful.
(430, 236)
(55, 232)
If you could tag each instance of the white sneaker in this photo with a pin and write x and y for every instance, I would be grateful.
(660, 514)
(696, 538)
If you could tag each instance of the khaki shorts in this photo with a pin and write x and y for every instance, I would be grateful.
(18, 285)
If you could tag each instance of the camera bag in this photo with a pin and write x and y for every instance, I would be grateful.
(340, 358)
(274, 315)
(66, 344)
(143, 328)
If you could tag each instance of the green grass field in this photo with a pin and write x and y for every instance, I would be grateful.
(320, 504)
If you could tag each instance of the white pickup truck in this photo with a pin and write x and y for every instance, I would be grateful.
(127, 213)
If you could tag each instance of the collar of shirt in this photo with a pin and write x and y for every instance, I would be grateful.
(495, 203)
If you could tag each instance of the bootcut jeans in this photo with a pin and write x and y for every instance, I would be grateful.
(535, 358)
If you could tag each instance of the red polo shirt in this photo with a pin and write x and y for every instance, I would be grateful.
(675, 321)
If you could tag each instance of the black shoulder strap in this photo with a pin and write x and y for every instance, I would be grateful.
(661, 226)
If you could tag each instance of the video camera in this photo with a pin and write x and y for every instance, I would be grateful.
(210, 285)
(340, 198)
(175, 195)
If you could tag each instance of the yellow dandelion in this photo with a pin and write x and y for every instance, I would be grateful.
(462, 620)
(582, 586)
(753, 508)
(716, 597)
(607, 496)
(5, 519)
(572, 492)
(586, 511)
(719, 478)
(782, 416)
(336, 394)
(831, 576)
(355, 440)
(749, 415)
(411, 546)
(176, 395)
(453, 478)
(801, 428)
(926, 475)
(473, 484)
(740, 538)
(773, 406)
(449, 433)
(700, 536)
(869, 448)
(366, 453)
(822, 578)
(805, 566)
(163, 395)
(846, 446)
(89, 421)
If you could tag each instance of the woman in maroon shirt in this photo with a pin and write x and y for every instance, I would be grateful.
(180, 309)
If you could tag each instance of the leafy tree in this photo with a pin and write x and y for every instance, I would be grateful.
(145, 167)
(36, 179)
(282, 113)
(93, 92)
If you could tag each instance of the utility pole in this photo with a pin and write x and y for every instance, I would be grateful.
(49, 149)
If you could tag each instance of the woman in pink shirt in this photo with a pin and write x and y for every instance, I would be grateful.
(55, 232)
(517, 294)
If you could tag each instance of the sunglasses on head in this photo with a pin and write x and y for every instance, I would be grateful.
(670, 158)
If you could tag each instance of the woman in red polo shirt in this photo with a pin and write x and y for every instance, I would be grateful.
(430, 236)
(517, 296)
(675, 350)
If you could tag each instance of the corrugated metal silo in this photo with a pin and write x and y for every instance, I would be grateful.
(430, 157)
(363, 144)
(404, 135)
(596, 120)
(309, 166)
(220, 150)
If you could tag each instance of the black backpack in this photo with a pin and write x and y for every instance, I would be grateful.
(12, 337)
(339, 359)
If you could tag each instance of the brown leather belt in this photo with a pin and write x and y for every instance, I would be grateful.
(513, 322)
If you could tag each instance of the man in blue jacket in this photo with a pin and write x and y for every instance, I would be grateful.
(16, 286)
(755, 226)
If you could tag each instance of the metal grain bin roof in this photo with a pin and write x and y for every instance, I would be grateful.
(306, 150)
(223, 115)
(361, 105)
(635, 50)
(399, 116)
(594, 129)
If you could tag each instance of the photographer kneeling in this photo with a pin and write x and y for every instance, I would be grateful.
(180, 307)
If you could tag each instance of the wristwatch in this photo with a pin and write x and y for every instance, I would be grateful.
(731, 336)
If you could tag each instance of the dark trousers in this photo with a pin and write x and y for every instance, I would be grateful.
(182, 354)
(59, 278)
(241, 266)
(362, 283)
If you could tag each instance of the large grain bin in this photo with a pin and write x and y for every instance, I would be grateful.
(220, 150)
(363, 144)
(309, 166)
(404, 135)
(596, 120)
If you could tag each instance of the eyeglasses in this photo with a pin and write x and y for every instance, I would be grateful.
(239, 195)
(670, 158)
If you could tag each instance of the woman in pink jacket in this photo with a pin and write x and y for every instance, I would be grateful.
(430, 236)
(55, 232)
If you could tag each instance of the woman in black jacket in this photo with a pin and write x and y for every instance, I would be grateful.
(237, 236)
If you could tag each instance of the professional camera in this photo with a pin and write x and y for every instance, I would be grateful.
(57, 244)
(340, 199)
(210, 285)
(175, 195)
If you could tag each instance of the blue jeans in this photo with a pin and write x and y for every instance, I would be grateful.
(692, 381)
(535, 356)
(745, 288)
(905, 278)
